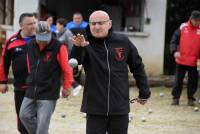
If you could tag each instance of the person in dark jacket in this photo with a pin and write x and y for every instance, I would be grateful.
(105, 56)
(47, 59)
(14, 52)
(185, 47)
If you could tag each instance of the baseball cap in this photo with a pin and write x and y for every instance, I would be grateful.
(195, 15)
(43, 31)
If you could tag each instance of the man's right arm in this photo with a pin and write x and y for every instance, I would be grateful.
(174, 43)
(4, 65)
(4, 68)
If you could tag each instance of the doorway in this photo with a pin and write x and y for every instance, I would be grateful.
(178, 11)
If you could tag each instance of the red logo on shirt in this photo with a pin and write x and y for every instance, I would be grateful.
(47, 57)
(119, 54)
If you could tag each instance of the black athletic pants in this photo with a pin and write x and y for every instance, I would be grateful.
(19, 96)
(192, 81)
(112, 124)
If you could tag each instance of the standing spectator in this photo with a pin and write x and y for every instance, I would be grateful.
(49, 20)
(185, 47)
(78, 25)
(47, 59)
(15, 52)
(63, 34)
(105, 57)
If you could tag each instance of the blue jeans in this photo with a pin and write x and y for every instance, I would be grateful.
(36, 115)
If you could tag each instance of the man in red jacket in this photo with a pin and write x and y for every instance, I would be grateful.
(14, 54)
(185, 47)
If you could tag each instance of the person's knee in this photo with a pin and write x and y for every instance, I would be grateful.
(24, 116)
(21, 116)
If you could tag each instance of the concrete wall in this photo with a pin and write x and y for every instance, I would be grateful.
(151, 48)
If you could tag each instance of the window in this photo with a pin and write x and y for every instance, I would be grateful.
(133, 12)
(6, 12)
(127, 15)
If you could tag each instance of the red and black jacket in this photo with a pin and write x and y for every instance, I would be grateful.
(45, 68)
(14, 53)
(186, 40)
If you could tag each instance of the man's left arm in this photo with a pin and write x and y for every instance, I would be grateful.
(137, 69)
(62, 58)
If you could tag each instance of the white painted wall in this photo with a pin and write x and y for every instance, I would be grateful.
(21, 6)
(151, 48)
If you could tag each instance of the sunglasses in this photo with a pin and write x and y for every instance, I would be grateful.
(98, 22)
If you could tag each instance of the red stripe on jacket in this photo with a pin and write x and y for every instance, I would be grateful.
(28, 64)
(3, 75)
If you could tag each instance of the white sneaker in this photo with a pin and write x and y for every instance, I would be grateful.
(76, 90)
(84, 115)
(130, 117)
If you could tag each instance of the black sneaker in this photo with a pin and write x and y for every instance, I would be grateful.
(175, 102)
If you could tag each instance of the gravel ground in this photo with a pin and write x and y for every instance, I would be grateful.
(164, 119)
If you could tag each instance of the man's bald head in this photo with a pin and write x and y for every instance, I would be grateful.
(99, 14)
(100, 24)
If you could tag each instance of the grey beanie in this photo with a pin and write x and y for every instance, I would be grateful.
(43, 31)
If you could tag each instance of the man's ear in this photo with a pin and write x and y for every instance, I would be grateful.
(110, 23)
(20, 24)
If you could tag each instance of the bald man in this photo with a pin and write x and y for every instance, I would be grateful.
(105, 56)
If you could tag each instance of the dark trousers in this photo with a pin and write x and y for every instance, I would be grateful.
(112, 124)
(19, 96)
(192, 81)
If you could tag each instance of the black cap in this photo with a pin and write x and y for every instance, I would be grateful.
(195, 15)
